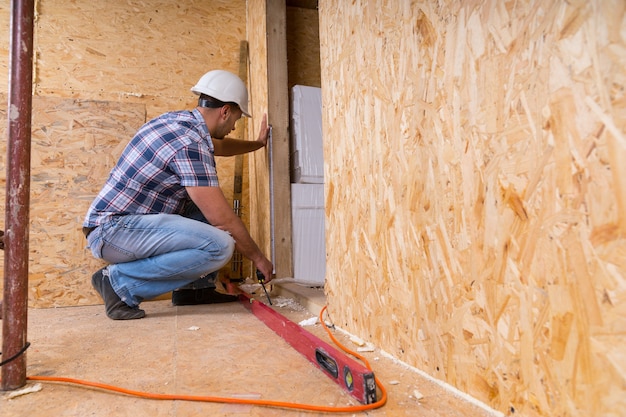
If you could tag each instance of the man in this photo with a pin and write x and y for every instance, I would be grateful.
(161, 220)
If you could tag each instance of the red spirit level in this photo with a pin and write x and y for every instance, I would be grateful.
(352, 376)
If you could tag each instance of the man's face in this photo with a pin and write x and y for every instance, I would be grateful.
(227, 125)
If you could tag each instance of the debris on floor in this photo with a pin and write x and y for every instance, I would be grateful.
(289, 303)
(357, 341)
(28, 389)
(309, 322)
(417, 395)
(368, 348)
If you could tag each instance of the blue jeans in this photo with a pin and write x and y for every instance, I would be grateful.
(153, 254)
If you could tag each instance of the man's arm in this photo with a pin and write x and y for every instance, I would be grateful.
(230, 147)
(215, 208)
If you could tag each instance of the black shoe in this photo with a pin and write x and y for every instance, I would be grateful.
(201, 296)
(115, 308)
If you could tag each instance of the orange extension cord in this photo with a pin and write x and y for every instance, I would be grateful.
(266, 403)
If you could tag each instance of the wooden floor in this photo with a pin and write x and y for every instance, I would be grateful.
(212, 350)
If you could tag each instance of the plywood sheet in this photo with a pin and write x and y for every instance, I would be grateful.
(75, 144)
(129, 50)
(126, 53)
(475, 194)
(5, 21)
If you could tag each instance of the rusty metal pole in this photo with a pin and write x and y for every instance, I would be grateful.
(15, 305)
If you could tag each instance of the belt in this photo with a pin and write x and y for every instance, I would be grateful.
(88, 230)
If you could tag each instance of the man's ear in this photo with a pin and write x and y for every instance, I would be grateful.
(225, 111)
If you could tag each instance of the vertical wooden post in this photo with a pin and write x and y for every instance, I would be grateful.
(14, 323)
(278, 115)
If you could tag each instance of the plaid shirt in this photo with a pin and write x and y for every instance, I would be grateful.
(166, 155)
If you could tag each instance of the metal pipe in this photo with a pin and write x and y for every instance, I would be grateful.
(15, 305)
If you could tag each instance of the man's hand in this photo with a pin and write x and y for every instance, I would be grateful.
(231, 147)
(264, 133)
(266, 268)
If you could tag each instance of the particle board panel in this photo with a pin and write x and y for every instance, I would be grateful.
(129, 50)
(474, 195)
(89, 52)
(5, 22)
(75, 143)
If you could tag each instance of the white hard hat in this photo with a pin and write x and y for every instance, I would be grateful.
(224, 86)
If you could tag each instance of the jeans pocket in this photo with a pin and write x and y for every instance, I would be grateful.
(95, 240)
(95, 243)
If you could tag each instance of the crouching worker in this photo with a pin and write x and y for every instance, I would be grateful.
(161, 220)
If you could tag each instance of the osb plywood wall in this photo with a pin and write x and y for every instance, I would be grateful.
(101, 70)
(74, 145)
(4, 45)
(476, 194)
